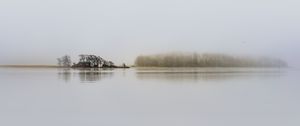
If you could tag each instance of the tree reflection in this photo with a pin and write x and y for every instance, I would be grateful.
(64, 74)
(205, 75)
(93, 75)
(88, 75)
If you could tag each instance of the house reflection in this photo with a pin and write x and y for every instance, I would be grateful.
(85, 75)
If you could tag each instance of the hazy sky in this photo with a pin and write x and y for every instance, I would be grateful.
(39, 31)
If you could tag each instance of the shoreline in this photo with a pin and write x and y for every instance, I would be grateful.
(31, 66)
(148, 67)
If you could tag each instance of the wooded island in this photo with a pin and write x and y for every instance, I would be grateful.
(88, 61)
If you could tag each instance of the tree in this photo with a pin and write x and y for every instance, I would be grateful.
(59, 62)
(64, 61)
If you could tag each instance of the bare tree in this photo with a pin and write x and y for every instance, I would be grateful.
(59, 62)
(64, 61)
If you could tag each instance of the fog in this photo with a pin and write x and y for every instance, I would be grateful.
(205, 60)
(38, 32)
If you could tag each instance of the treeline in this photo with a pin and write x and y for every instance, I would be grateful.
(204, 60)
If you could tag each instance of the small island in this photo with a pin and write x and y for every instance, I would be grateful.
(88, 61)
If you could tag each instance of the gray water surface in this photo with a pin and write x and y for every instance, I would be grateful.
(149, 97)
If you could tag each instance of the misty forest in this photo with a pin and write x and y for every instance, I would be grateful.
(205, 60)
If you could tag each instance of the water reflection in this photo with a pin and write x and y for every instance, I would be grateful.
(84, 75)
(64, 74)
(207, 74)
(169, 74)
(93, 76)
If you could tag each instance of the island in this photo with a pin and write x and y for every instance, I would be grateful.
(88, 61)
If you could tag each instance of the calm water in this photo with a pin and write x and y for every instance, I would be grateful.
(149, 97)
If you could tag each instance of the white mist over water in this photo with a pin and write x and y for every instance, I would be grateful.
(147, 97)
(38, 32)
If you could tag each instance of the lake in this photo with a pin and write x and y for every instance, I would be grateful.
(149, 97)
